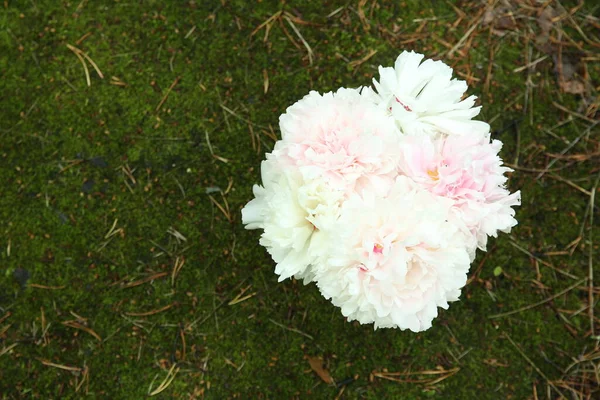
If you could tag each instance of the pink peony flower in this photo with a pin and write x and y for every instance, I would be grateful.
(341, 137)
(467, 170)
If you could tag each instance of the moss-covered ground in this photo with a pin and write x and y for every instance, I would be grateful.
(125, 271)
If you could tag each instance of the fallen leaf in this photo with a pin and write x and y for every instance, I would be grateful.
(570, 70)
(573, 87)
(316, 363)
(570, 63)
(545, 20)
(501, 19)
(489, 15)
(506, 22)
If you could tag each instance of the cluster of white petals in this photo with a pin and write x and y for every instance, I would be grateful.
(382, 196)
(424, 98)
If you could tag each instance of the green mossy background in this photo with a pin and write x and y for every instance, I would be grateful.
(106, 190)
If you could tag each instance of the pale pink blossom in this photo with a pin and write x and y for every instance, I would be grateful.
(467, 170)
(343, 138)
(397, 259)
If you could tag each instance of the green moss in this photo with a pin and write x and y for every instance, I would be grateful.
(79, 162)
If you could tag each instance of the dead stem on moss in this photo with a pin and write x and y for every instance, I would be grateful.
(287, 328)
(81, 55)
(539, 303)
(223, 208)
(566, 149)
(77, 325)
(38, 286)
(139, 282)
(278, 17)
(535, 367)
(152, 312)
(166, 95)
(397, 376)
(166, 382)
(60, 366)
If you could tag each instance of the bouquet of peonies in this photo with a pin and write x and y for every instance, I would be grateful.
(382, 196)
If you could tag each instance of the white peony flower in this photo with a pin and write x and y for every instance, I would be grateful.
(295, 216)
(423, 97)
(396, 259)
